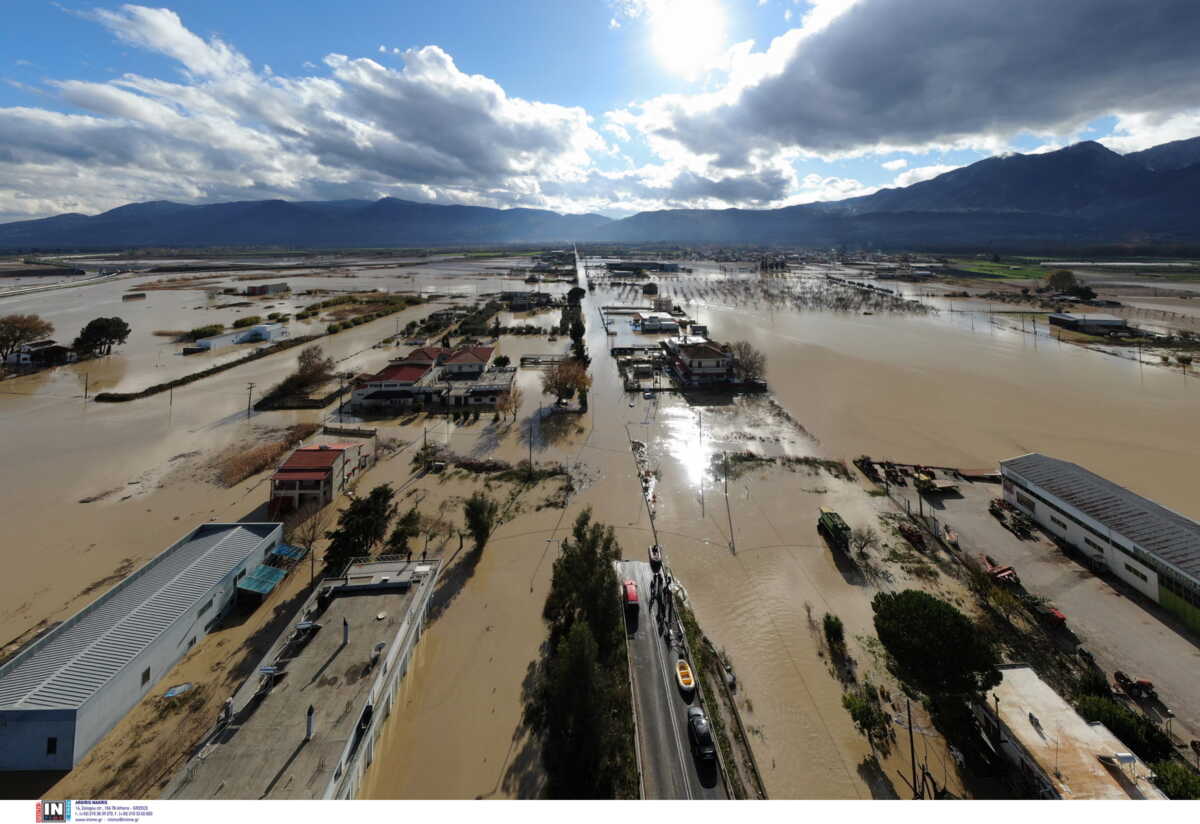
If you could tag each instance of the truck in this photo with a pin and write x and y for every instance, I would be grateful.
(926, 483)
(835, 530)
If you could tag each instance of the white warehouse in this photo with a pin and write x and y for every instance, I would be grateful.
(1151, 548)
(62, 693)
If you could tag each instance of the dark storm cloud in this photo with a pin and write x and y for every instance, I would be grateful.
(914, 73)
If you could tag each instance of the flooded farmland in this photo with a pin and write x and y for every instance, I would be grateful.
(927, 385)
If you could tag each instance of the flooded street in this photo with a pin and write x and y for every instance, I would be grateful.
(943, 387)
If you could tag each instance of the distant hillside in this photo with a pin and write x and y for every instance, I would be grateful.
(315, 224)
(1084, 194)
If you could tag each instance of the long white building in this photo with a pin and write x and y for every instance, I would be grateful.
(1153, 549)
(61, 694)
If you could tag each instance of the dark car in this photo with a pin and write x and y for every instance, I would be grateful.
(700, 735)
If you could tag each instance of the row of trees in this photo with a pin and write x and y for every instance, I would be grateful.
(579, 705)
(363, 525)
(98, 337)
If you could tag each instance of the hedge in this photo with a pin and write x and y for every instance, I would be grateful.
(121, 397)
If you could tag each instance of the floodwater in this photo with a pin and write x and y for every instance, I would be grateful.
(953, 388)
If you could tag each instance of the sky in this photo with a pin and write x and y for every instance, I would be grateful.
(607, 106)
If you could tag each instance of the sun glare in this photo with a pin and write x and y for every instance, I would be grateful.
(688, 34)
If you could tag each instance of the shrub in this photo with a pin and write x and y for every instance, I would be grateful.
(1177, 780)
(205, 331)
(249, 320)
(333, 328)
(1138, 732)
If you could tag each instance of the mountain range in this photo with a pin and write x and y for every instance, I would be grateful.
(1081, 194)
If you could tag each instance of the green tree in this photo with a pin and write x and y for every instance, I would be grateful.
(585, 728)
(361, 525)
(101, 335)
(407, 527)
(502, 361)
(583, 585)
(866, 711)
(18, 330)
(480, 513)
(575, 295)
(835, 635)
(1136, 731)
(933, 646)
(1177, 780)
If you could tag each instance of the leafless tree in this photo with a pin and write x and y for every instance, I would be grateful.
(751, 363)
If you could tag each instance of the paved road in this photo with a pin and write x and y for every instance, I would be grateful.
(1119, 627)
(668, 769)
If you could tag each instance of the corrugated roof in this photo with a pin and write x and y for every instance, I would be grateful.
(1167, 535)
(400, 373)
(69, 665)
(312, 459)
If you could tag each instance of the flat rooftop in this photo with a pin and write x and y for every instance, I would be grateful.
(1169, 536)
(1067, 748)
(69, 665)
(262, 753)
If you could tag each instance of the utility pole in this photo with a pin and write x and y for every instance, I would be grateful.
(531, 449)
(86, 375)
(249, 395)
(912, 750)
(728, 511)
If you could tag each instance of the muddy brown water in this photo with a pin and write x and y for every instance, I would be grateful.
(946, 388)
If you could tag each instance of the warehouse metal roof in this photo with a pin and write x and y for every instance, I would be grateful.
(70, 664)
(1167, 535)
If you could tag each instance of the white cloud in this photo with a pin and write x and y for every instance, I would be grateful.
(1134, 132)
(921, 173)
(895, 165)
(226, 131)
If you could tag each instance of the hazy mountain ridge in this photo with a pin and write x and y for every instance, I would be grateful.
(1084, 193)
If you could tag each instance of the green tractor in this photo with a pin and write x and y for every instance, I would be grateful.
(835, 530)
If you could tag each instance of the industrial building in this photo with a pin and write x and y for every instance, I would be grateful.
(1096, 324)
(1149, 547)
(1054, 752)
(306, 724)
(62, 693)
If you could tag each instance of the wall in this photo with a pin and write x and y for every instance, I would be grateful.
(23, 737)
(1120, 564)
(125, 689)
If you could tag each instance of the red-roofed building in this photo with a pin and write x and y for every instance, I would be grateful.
(427, 355)
(315, 474)
(391, 387)
(467, 361)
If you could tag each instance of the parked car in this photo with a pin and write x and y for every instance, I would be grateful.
(700, 735)
(629, 595)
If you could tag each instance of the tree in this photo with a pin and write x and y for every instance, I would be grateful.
(502, 361)
(584, 584)
(933, 646)
(361, 525)
(313, 366)
(751, 363)
(407, 528)
(18, 330)
(566, 378)
(863, 538)
(575, 295)
(308, 527)
(509, 403)
(867, 713)
(480, 513)
(100, 335)
(1177, 780)
(1062, 280)
(1137, 731)
(835, 635)
(585, 729)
